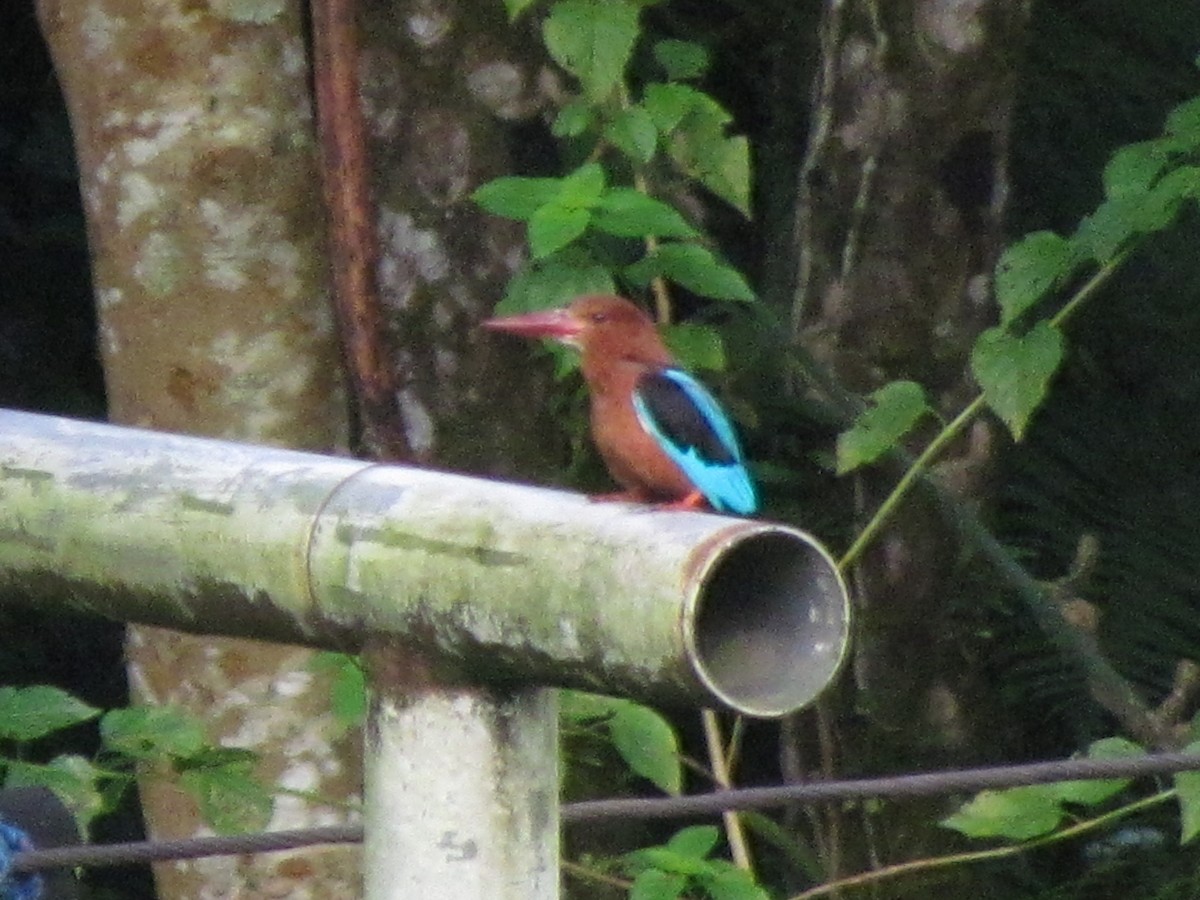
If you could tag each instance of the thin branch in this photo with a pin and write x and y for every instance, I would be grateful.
(960, 859)
(345, 179)
(1108, 687)
(735, 834)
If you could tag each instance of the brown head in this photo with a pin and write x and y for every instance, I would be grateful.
(607, 331)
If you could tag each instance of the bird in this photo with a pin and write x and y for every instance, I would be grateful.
(663, 437)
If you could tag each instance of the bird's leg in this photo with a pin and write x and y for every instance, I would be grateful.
(694, 500)
(620, 497)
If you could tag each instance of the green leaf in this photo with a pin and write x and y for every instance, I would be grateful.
(734, 884)
(1114, 748)
(1017, 813)
(593, 40)
(213, 757)
(667, 104)
(1134, 168)
(634, 134)
(231, 799)
(582, 707)
(28, 713)
(695, 268)
(582, 188)
(625, 212)
(150, 732)
(1095, 791)
(668, 860)
(1187, 784)
(573, 119)
(555, 281)
(74, 780)
(696, 841)
(1182, 183)
(895, 408)
(514, 8)
(647, 742)
(515, 197)
(681, 60)
(1029, 269)
(722, 165)
(698, 144)
(1015, 371)
(1104, 232)
(1160, 206)
(347, 687)
(654, 884)
(696, 346)
(1121, 218)
(554, 227)
(1187, 788)
(1184, 122)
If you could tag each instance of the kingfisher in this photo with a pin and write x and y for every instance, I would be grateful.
(662, 435)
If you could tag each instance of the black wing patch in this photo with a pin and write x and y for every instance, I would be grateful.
(680, 420)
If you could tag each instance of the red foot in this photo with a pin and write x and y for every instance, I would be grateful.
(694, 500)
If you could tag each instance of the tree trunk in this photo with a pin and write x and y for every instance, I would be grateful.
(193, 131)
(901, 203)
(440, 81)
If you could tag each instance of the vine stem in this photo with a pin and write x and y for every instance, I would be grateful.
(907, 480)
(958, 859)
(956, 427)
(739, 847)
(587, 873)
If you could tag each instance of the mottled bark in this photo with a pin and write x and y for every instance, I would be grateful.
(902, 195)
(195, 142)
(440, 80)
(900, 212)
(193, 129)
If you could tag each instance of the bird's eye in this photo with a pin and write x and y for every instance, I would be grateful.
(597, 318)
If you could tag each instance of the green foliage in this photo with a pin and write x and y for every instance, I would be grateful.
(596, 229)
(593, 41)
(1036, 810)
(1145, 186)
(681, 60)
(1016, 361)
(161, 738)
(645, 740)
(1014, 370)
(29, 713)
(1028, 270)
(683, 866)
(1016, 813)
(222, 780)
(347, 688)
(609, 226)
(547, 283)
(696, 346)
(694, 267)
(693, 126)
(1187, 787)
(895, 408)
(148, 732)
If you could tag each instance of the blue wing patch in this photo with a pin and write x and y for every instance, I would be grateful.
(695, 433)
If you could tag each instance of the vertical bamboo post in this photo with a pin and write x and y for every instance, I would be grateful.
(461, 785)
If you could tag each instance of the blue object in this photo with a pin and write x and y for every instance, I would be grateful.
(695, 433)
(23, 885)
